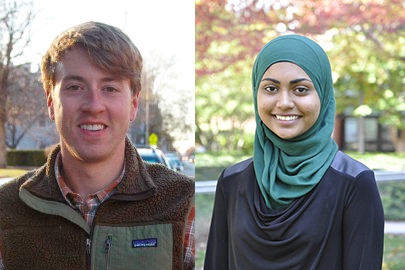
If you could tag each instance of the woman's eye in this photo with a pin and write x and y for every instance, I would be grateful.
(270, 88)
(301, 90)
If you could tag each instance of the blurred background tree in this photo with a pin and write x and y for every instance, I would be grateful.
(15, 20)
(364, 40)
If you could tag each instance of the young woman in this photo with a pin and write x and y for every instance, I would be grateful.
(299, 203)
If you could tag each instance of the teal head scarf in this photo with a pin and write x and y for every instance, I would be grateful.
(288, 169)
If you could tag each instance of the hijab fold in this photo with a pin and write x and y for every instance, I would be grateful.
(288, 169)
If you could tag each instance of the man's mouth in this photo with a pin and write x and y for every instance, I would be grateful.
(287, 117)
(92, 127)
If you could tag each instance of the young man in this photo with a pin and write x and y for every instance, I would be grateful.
(95, 204)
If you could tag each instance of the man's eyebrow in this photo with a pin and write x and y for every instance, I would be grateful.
(81, 79)
(73, 78)
(295, 81)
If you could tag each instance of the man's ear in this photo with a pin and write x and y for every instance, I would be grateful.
(134, 106)
(49, 103)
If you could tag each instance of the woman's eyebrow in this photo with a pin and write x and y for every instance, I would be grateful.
(300, 80)
(291, 82)
(271, 80)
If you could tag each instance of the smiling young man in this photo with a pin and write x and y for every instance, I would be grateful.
(95, 204)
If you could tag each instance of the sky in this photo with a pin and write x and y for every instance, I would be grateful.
(158, 27)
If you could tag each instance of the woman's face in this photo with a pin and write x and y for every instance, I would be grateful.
(287, 101)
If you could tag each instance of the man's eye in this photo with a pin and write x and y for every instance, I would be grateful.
(110, 89)
(72, 87)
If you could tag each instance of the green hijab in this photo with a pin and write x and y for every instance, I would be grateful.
(288, 169)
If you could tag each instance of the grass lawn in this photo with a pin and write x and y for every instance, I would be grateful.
(11, 172)
(381, 161)
(394, 252)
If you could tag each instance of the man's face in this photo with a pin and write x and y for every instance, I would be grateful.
(91, 108)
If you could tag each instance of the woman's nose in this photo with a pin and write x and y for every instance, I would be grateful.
(285, 101)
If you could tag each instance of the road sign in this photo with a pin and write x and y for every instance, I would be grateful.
(153, 139)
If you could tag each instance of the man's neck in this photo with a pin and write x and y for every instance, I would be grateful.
(89, 177)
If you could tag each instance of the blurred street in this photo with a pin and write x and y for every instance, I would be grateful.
(189, 168)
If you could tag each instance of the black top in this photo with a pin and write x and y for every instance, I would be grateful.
(338, 225)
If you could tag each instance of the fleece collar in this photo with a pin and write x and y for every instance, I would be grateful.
(136, 184)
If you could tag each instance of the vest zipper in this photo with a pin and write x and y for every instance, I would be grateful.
(88, 251)
(107, 250)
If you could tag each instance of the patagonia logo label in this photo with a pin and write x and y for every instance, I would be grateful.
(143, 243)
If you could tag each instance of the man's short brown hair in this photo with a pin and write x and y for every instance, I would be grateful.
(108, 47)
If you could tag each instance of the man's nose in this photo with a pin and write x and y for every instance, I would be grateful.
(94, 101)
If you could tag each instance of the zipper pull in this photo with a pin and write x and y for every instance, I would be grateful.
(107, 243)
(107, 249)
(88, 245)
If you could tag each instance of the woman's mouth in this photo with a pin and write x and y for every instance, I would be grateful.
(287, 117)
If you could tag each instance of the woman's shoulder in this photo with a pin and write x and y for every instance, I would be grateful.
(349, 166)
(237, 168)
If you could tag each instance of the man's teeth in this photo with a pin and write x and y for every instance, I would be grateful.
(92, 127)
(287, 118)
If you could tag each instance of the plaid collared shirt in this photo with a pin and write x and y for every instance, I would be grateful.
(189, 241)
(88, 205)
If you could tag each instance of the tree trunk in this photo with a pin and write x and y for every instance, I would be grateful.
(398, 139)
(3, 98)
(361, 137)
(400, 144)
(3, 162)
(400, 147)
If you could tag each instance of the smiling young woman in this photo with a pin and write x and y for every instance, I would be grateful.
(299, 203)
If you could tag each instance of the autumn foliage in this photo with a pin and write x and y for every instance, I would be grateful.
(363, 38)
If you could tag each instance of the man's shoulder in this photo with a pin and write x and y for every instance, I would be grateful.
(160, 169)
(9, 192)
(15, 183)
(161, 174)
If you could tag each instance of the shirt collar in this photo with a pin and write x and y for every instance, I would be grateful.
(102, 194)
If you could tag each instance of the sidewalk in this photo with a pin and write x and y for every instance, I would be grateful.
(394, 227)
(4, 180)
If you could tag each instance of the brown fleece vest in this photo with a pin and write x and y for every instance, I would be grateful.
(148, 194)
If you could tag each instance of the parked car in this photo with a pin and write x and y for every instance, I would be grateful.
(174, 159)
(154, 155)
